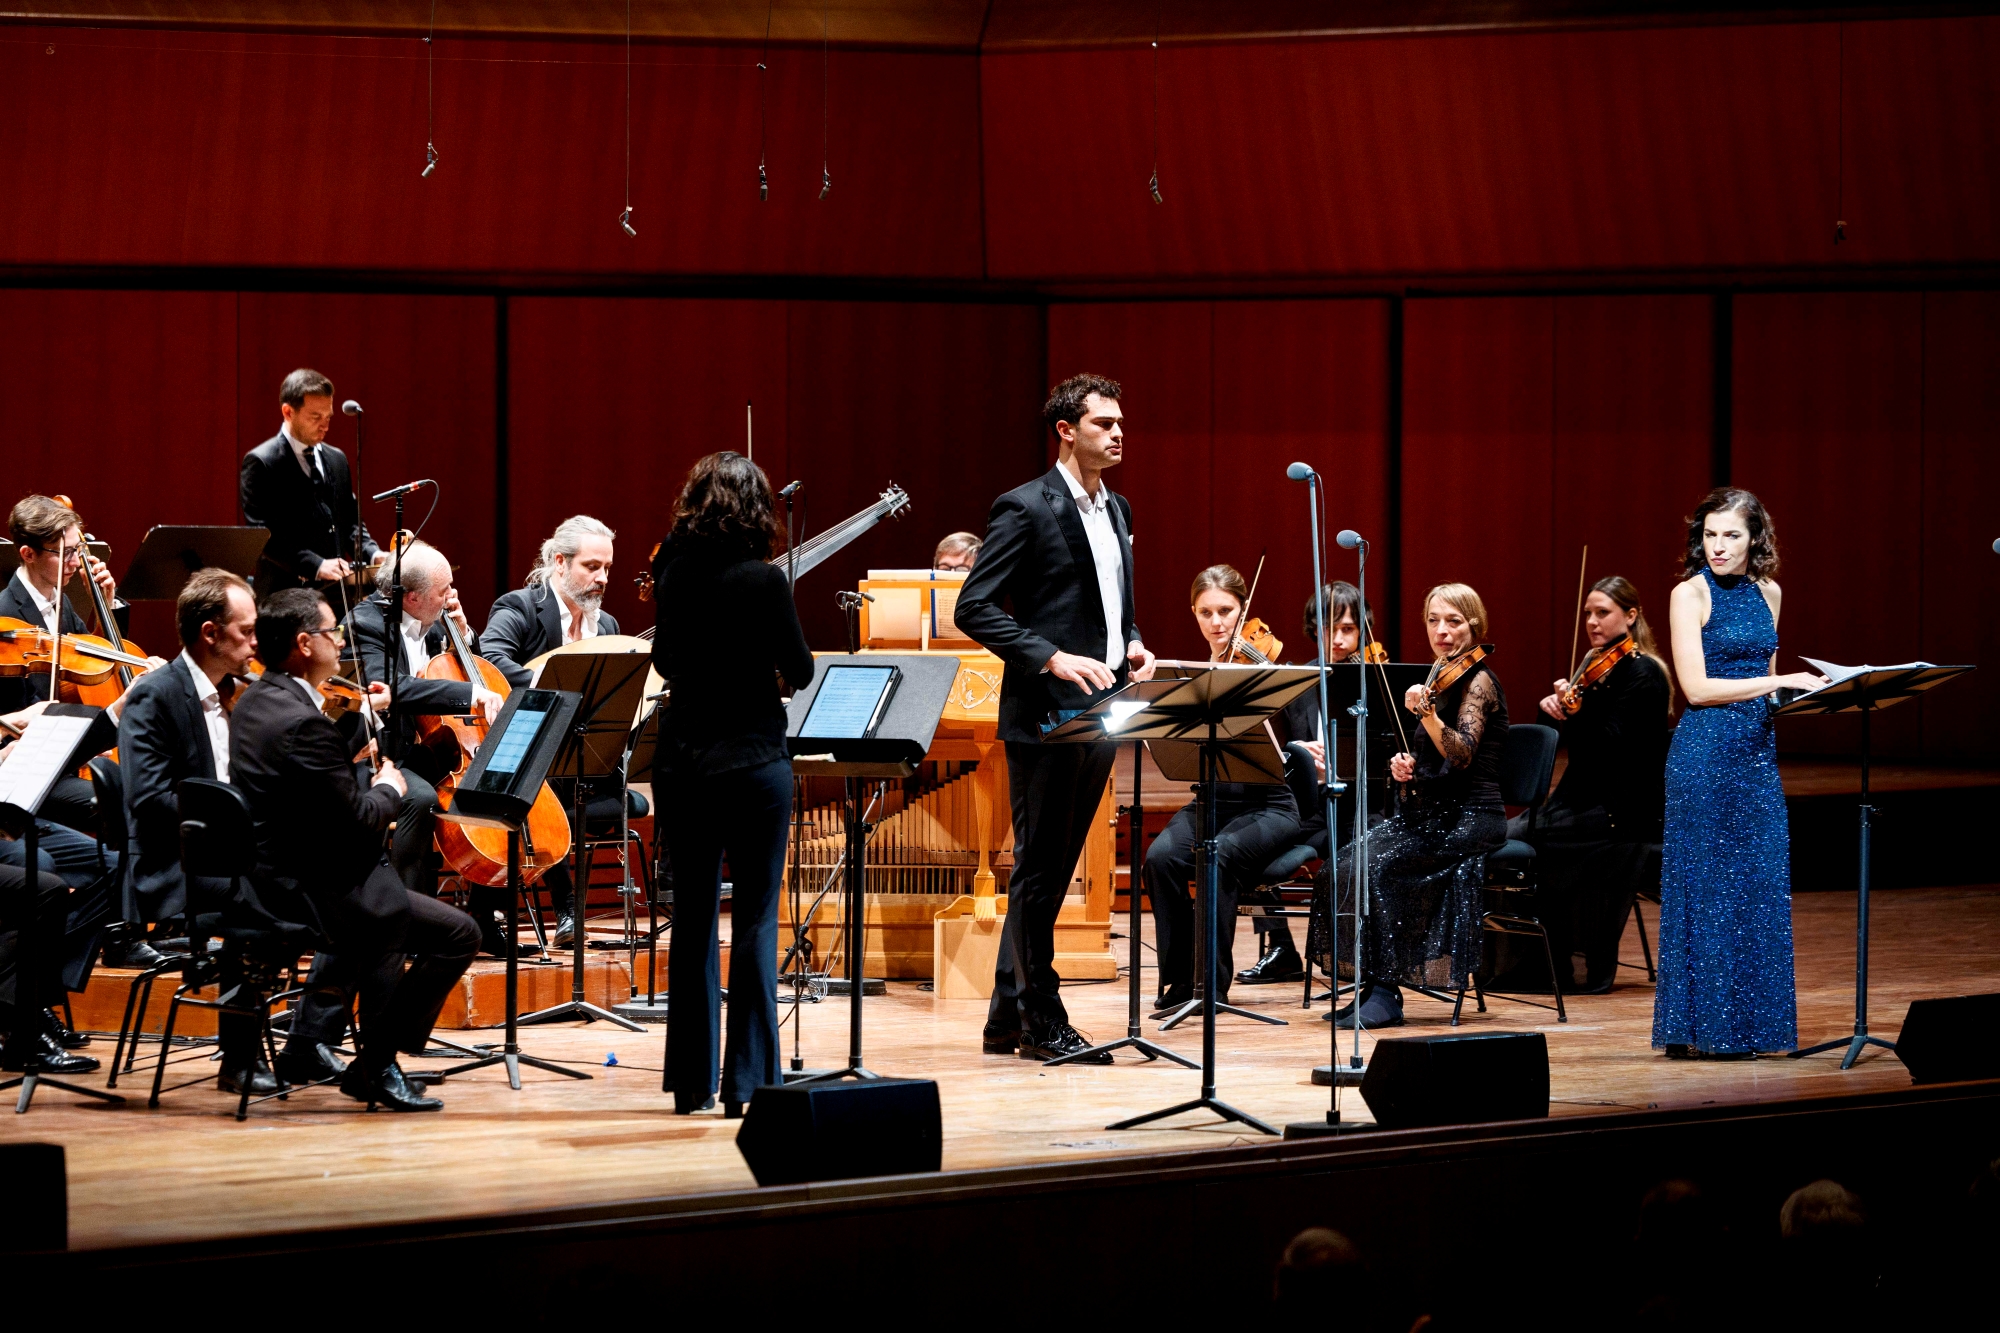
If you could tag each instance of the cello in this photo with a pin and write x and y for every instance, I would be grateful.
(477, 854)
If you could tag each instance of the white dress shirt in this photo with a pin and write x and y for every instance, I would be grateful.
(1104, 553)
(51, 617)
(416, 655)
(211, 712)
(568, 609)
(306, 454)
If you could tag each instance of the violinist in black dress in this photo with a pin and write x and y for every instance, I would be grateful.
(1592, 837)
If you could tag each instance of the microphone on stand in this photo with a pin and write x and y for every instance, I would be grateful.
(1299, 472)
(351, 408)
(1996, 546)
(404, 489)
(1350, 540)
(793, 489)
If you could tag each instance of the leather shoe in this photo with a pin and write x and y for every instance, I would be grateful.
(565, 935)
(1281, 962)
(1174, 996)
(134, 953)
(68, 1039)
(493, 942)
(999, 1041)
(257, 1080)
(1059, 1040)
(41, 1053)
(301, 1063)
(388, 1088)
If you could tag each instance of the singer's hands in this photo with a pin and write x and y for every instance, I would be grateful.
(1088, 672)
(1141, 660)
(1801, 680)
(1402, 767)
(393, 776)
(334, 570)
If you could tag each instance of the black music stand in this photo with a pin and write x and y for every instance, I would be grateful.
(1867, 692)
(1136, 833)
(1211, 706)
(161, 565)
(43, 755)
(611, 684)
(511, 817)
(894, 748)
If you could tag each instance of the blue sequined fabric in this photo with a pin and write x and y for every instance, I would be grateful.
(1725, 885)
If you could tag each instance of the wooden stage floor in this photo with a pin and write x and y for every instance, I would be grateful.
(188, 1170)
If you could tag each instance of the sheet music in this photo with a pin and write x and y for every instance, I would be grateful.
(40, 757)
(1836, 674)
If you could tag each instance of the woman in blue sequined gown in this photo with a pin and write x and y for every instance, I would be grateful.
(1725, 978)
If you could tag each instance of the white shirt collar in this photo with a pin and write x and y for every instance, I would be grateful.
(1084, 500)
(313, 696)
(300, 451)
(204, 688)
(42, 604)
(567, 609)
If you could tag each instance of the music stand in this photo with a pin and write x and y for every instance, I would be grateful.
(1867, 692)
(611, 684)
(510, 815)
(44, 754)
(168, 555)
(892, 748)
(1212, 706)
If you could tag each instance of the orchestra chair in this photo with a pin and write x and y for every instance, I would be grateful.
(1267, 897)
(107, 785)
(219, 842)
(602, 828)
(1646, 885)
(1510, 903)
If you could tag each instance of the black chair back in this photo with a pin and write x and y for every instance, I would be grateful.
(1526, 765)
(107, 784)
(1303, 778)
(218, 836)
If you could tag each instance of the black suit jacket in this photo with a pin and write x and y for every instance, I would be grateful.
(162, 740)
(368, 633)
(1037, 557)
(17, 692)
(309, 521)
(524, 624)
(319, 834)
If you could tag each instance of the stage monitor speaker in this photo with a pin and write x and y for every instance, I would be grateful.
(842, 1131)
(1951, 1039)
(34, 1198)
(1416, 1082)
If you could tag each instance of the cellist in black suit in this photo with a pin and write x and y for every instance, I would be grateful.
(1059, 549)
(298, 486)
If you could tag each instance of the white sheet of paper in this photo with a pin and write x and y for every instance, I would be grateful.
(36, 760)
(1836, 674)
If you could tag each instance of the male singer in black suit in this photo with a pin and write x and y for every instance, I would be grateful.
(298, 486)
(1060, 549)
(563, 603)
(319, 859)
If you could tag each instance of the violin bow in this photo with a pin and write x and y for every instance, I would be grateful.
(1576, 635)
(1382, 670)
(1243, 617)
(368, 718)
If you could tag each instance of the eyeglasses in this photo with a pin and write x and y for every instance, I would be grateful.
(338, 633)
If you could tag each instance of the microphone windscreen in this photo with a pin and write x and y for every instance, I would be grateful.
(1298, 472)
(1996, 546)
(1348, 539)
(351, 408)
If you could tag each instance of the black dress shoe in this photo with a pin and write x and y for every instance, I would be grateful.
(999, 1041)
(732, 1110)
(134, 953)
(41, 1053)
(388, 1088)
(1280, 963)
(309, 1062)
(682, 1109)
(565, 935)
(69, 1040)
(1059, 1040)
(257, 1080)
(1174, 996)
(493, 943)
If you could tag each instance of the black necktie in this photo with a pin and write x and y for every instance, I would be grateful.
(312, 457)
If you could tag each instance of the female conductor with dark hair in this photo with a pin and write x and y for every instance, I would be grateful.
(1725, 987)
(728, 790)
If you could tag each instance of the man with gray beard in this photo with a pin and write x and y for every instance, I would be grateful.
(562, 603)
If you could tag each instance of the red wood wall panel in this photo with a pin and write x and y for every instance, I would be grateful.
(1828, 432)
(1620, 149)
(422, 368)
(611, 401)
(1477, 478)
(125, 402)
(1960, 620)
(145, 148)
(1634, 413)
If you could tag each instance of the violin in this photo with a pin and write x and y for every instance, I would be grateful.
(1448, 671)
(1256, 644)
(87, 661)
(1374, 654)
(1594, 669)
(478, 854)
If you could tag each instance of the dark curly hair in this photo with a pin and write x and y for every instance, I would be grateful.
(1066, 399)
(726, 503)
(1763, 557)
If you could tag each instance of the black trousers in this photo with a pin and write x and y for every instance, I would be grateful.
(743, 814)
(1055, 791)
(33, 914)
(399, 1004)
(1254, 830)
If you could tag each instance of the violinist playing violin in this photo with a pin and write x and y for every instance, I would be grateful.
(1257, 821)
(1426, 863)
(1615, 715)
(397, 689)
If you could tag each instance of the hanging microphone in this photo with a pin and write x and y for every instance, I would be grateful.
(351, 408)
(1996, 546)
(1299, 472)
(1348, 540)
(791, 490)
(404, 489)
